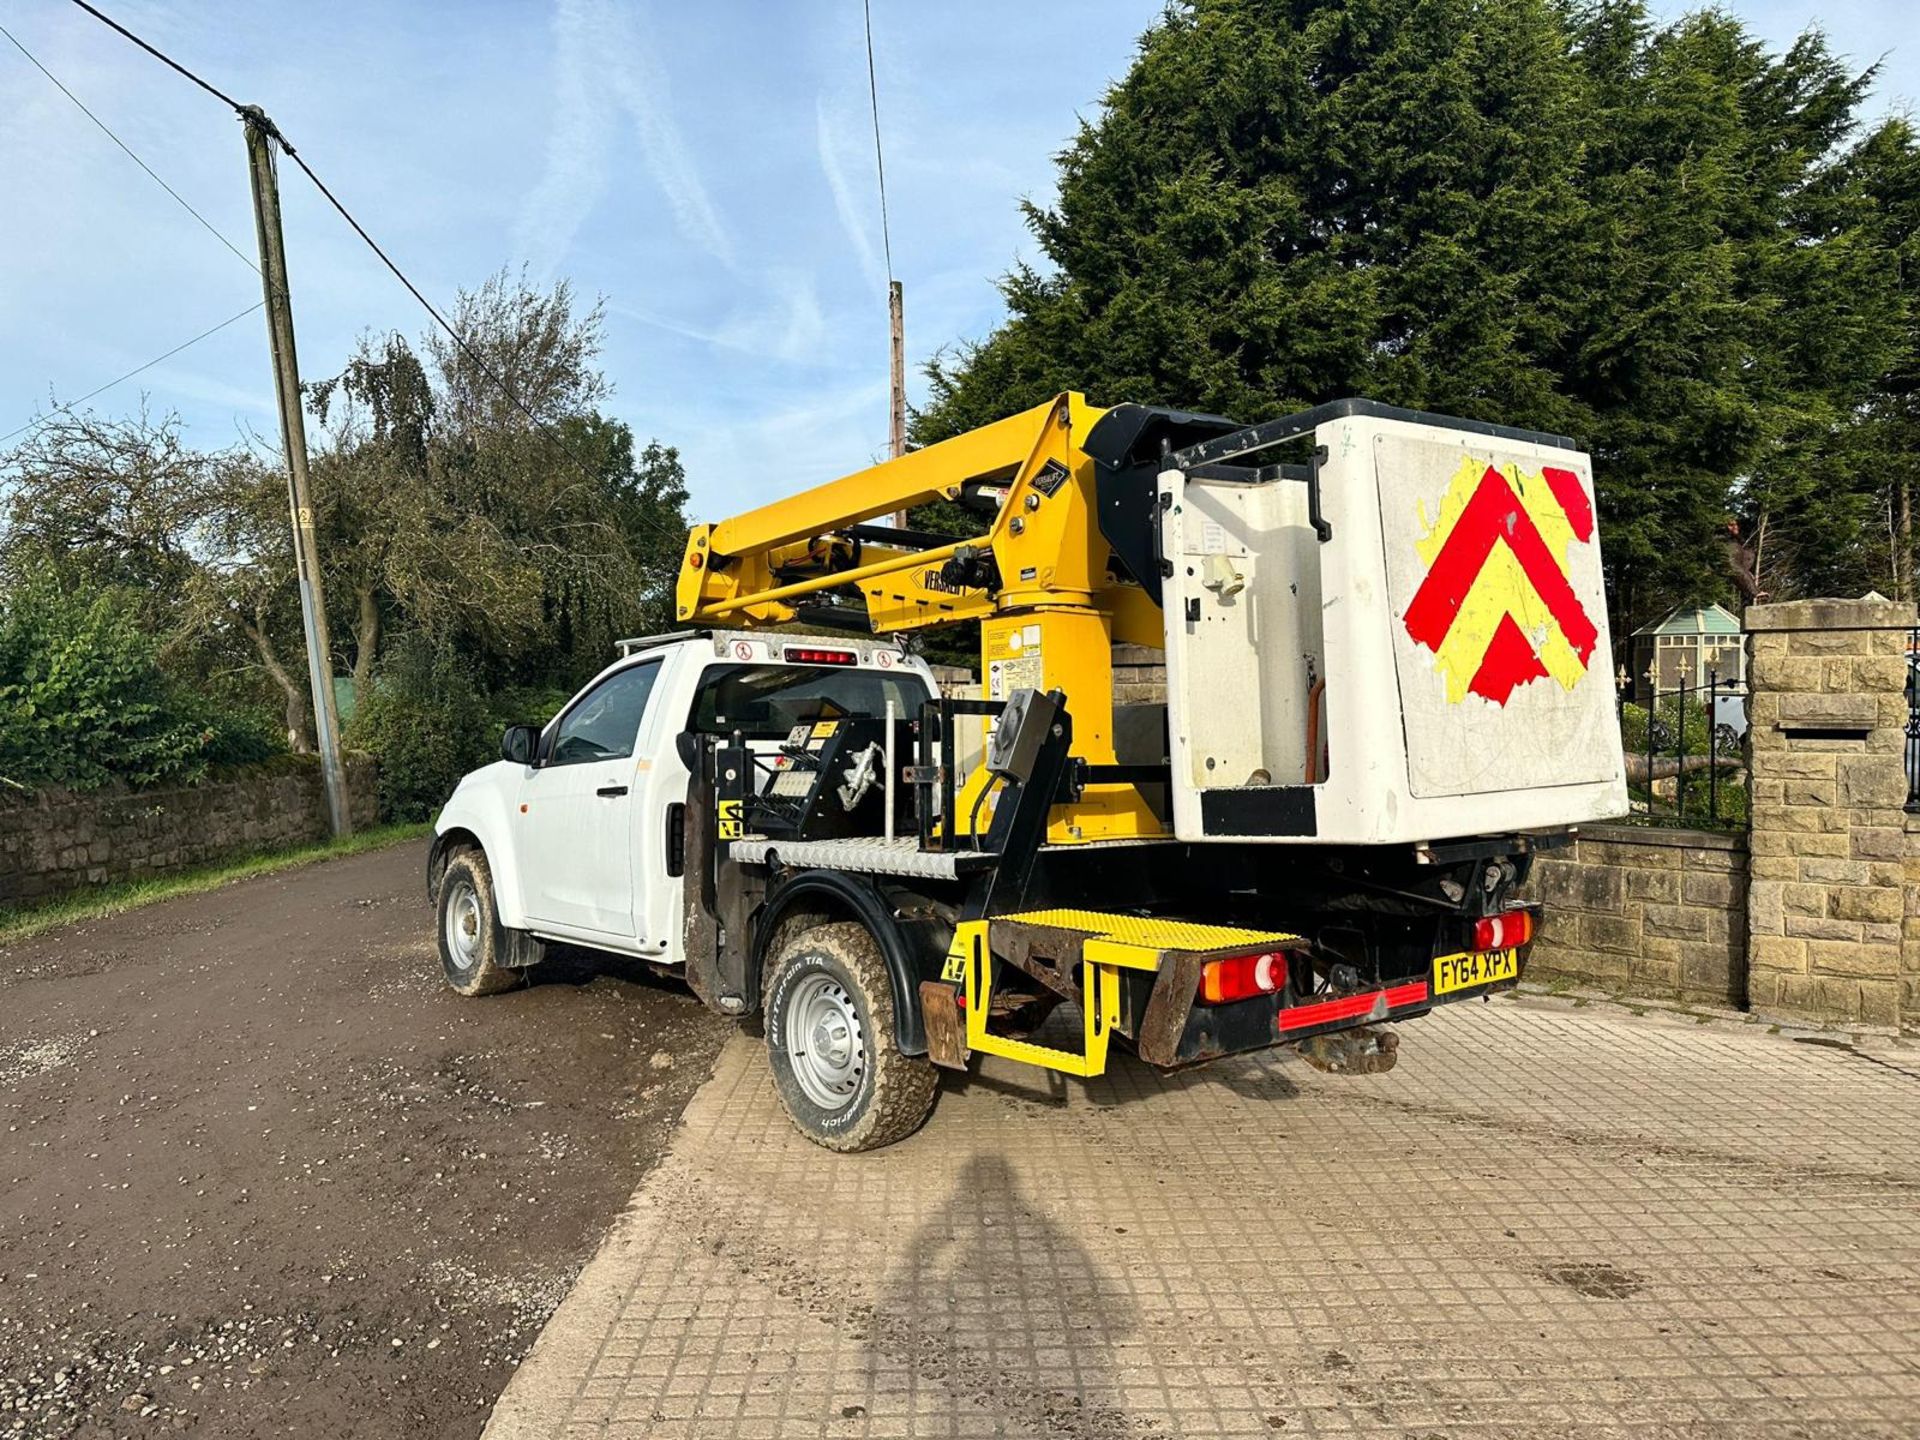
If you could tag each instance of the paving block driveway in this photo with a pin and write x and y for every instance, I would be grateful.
(1547, 1221)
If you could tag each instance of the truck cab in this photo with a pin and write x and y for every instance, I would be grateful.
(579, 823)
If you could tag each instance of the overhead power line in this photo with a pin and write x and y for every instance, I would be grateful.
(161, 56)
(105, 130)
(414, 290)
(68, 408)
(879, 160)
(255, 114)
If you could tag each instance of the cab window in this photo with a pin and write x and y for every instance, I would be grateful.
(764, 702)
(604, 722)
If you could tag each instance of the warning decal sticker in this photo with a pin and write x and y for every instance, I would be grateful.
(1497, 608)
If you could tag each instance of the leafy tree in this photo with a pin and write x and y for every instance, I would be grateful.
(123, 504)
(84, 700)
(1848, 525)
(1285, 201)
(1889, 167)
(394, 537)
(1734, 309)
(527, 539)
(650, 507)
(245, 585)
(524, 546)
(1554, 215)
(427, 721)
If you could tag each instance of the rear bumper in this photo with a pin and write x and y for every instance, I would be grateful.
(1213, 1031)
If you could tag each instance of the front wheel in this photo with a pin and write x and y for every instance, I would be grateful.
(830, 1038)
(471, 940)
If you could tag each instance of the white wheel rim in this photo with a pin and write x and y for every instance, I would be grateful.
(825, 1043)
(463, 925)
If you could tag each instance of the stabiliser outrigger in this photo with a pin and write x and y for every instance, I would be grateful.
(1389, 684)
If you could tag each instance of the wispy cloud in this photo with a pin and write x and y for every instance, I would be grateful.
(859, 223)
(576, 171)
(830, 433)
(211, 390)
(604, 73)
(781, 319)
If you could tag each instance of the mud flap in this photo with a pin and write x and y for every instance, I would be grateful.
(945, 1025)
(523, 948)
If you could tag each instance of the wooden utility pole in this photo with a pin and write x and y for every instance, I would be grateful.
(261, 138)
(897, 368)
(897, 325)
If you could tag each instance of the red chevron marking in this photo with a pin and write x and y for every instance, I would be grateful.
(1495, 514)
(1573, 499)
(1508, 664)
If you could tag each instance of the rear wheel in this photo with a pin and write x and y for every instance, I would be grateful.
(471, 940)
(830, 1038)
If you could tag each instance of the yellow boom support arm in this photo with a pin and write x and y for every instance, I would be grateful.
(1048, 622)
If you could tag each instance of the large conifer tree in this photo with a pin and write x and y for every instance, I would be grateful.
(1552, 215)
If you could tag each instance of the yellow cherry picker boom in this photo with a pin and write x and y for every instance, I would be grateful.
(1388, 685)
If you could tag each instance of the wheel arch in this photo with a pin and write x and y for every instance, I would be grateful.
(832, 895)
(446, 844)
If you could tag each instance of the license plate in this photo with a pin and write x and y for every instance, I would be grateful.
(1473, 969)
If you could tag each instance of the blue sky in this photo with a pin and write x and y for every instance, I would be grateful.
(708, 168)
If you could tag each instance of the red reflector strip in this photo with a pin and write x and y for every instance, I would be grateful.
(1324, 1012)
(802, 656)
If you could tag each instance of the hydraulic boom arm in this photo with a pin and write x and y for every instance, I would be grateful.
(1040, 579)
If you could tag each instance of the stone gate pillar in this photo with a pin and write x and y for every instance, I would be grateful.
(1827, 716)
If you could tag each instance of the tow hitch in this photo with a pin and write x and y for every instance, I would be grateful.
(1370, 1050)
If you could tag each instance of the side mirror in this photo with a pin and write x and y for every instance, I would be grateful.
(688, 744)
(520, 744)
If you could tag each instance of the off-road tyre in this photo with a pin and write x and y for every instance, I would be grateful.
(835, 973)
(465, 908)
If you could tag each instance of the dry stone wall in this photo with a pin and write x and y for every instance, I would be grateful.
(56, 841)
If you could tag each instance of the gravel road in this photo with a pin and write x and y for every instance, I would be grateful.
(263, 1174)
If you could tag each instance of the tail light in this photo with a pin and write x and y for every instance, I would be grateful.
(1504, 931)
(803, 655)
(1242, 977)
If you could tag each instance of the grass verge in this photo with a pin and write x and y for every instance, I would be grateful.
(21, 922)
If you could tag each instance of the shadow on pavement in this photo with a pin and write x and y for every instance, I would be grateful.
(1250, 1079)
(1008, 1310)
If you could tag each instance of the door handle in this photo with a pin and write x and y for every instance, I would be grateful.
(610, 791)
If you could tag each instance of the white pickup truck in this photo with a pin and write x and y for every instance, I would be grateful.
(1388, 686)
